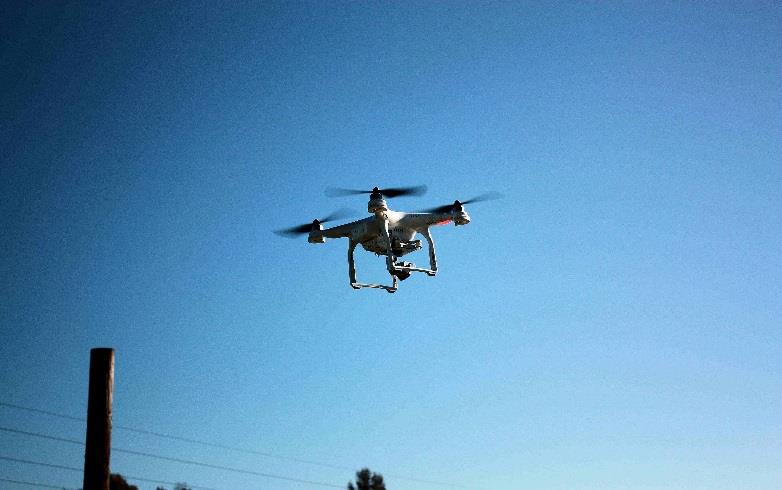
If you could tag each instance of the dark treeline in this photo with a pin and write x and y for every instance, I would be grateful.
(118, 482)
(366, 480)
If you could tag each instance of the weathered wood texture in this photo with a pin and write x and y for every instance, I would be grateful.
(98, 451)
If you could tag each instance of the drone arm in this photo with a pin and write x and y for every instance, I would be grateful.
(420, 221)
(336, 232)
(432, 254)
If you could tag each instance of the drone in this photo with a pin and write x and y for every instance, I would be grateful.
(387, 233)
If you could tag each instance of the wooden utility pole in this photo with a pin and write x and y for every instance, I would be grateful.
(98, 450)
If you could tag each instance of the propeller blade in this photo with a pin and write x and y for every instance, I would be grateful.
(438, 210)
(338, 214)
(487, 196)
(340, 192)
(418, 190)
(295, 231)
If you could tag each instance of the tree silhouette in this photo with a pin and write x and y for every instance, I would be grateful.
(118, 482)
(366, 480)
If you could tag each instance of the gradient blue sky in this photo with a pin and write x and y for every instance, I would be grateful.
(613, 323)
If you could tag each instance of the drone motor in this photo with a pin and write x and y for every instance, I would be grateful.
(316, 237)
(376, 202)
(460, 216)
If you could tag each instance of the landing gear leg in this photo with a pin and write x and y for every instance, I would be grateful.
(352, 265)
(432, 254)
(352, 273)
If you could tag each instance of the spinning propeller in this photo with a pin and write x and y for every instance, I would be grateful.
(488, 196)
(295, 231)
(419, 190)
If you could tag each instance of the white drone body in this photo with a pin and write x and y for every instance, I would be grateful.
(390, 233)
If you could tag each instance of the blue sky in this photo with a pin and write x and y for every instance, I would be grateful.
(612, 323)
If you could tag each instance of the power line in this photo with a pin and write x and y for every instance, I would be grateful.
(33, 484)
(45, 412)
(79, 470)
(39, 463)
(42, 436)
(183, 439)
(224, 468)
(227, 447)
(231, 448)
(176, 460)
